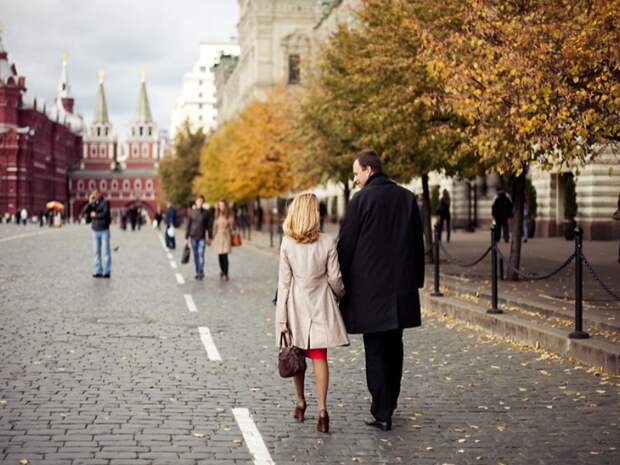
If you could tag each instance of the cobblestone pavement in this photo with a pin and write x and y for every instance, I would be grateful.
(115, 372)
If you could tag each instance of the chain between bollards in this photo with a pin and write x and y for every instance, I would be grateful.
(493, 310)
(436, 292)
(579, 333)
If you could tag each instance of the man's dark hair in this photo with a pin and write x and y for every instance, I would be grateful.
(200, 197)
(369, 157)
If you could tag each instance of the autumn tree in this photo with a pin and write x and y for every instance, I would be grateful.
(536, 80)
(249, 156)
(178, 170)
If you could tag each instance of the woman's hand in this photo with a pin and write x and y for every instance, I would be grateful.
(284, 327)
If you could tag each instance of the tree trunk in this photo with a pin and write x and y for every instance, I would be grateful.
(517, 224)
(426, 217)
(346, 191)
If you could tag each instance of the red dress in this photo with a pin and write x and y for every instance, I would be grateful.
(316, 354)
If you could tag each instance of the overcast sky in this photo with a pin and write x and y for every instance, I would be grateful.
(119, 36)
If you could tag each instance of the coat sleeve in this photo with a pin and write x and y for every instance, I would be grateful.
(418, 242)
(347, 240)
(334, 276)
(285, 274)
(189, 226)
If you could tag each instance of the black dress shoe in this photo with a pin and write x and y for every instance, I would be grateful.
(382, 425)
(106, 275)
(97, 275)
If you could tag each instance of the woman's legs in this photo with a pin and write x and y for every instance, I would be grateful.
(321, 376)
(298, 380)
(223, 259)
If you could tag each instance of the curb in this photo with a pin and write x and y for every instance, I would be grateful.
(594, 351)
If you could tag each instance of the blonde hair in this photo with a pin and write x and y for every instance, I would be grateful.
(302, 220)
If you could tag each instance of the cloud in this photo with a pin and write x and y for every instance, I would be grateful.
(122, 37)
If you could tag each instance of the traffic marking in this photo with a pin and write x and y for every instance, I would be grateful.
(189, 301)
(253, 439)
(207, 341)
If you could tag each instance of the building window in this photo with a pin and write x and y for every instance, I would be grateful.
(102, 151)
(93, 151)
(199, 83)
(115, 185)
(294, 70)
(200, 118)
(91, 185)
(137, 185)
(150, 131)
(103, 185)
(203, 69)
(149, 185)
(126, 185)
(81, 185)
(199, 94)
(145, 151)
(134, 151)
(98, 131)
(141, 130)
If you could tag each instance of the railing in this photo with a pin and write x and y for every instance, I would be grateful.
(578, 257)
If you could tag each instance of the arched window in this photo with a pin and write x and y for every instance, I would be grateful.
(102, 150)
(103, 185)
(93, 150)
(98, 131)
(126, 185)
(134, 151)
(149, 184)
(115, 185)
(137, 184)
(91, 185)
(80, 185)
(145, 151)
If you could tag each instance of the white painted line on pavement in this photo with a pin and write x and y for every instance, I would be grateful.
(22, 236)
(207, 341)
(252, 437)
(173, 264)
(180, 279)
(169, 255)
(189, 301)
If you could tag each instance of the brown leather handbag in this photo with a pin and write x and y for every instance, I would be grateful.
(235, 239)
(291, 359)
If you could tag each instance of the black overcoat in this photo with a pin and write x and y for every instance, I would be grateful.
(381, 254)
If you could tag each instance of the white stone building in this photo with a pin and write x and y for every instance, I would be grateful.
(197, 101)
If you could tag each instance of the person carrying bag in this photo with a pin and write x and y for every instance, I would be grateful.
(307, 314)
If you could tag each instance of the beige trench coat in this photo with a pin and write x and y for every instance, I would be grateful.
(222, 229)
(308, 284)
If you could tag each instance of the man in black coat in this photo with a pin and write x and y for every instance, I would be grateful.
(381, 256)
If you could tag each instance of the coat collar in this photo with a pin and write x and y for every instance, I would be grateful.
(378, 178)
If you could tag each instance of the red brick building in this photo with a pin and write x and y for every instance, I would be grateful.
(129, 180)
(38, 145)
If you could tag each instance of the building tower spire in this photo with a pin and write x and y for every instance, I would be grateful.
(101, 106)
(143, 109)
(64, 89)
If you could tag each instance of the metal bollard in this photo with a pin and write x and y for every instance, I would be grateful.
(579, 333)
(436, 292)
(271, 231)
(493, 310)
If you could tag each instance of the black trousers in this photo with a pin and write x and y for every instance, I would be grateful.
(223, 259)
(384, 370)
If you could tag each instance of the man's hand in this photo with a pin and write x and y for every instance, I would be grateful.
(93, 214)
(284, 327)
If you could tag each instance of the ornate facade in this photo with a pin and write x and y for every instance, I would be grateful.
(38, 145)
(129, 181)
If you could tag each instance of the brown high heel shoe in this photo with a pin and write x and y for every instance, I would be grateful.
(300, 411)
(323, 424)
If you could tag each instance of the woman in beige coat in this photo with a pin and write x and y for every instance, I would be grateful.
(308, 285)
(223, 227)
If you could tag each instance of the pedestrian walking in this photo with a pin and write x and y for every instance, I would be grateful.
(24, 216)
(381, 255)
(199, 225)
(501, 209)
(171, 219)
(309, 285)
(322, 213)
(223, 227)
(443, 210)
(98, 215)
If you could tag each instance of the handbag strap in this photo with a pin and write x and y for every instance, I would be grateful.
(287, 343)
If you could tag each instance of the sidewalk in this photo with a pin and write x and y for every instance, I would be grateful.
(540, 313)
